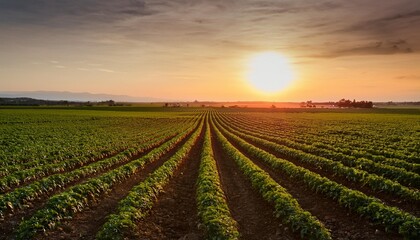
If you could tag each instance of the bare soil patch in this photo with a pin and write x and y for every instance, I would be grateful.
(12, 220)
(391, 200)
(343, 223)
(174, 216)
(253, 214)
(86, 224)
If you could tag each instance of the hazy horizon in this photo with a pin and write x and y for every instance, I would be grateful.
(97, 97)
(186, 50)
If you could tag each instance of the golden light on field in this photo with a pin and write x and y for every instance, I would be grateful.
(269, 72)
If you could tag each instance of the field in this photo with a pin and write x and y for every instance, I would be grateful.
(209, 173)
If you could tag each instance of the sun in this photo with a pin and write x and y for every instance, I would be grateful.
(269, 72)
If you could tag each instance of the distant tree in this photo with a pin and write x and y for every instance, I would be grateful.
(111, 103)
(345, 103)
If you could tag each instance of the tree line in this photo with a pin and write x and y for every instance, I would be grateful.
(354, 104)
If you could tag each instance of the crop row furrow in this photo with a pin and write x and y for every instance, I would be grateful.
(77, 198)
(390, 217)
(142, 197)
(211, 201)
(355, 147)
(20, 197)
(286, 207)
(21, 177)
(57, 141)
(94, 154)
(374, 181)
(61, 139)
(351, 157)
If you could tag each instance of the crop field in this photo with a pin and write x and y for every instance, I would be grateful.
(209, 173)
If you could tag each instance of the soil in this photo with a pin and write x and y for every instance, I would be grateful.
(254, 215)
(343, 223)
(87, 223)
(174, 216)
(12, 220)
(391, 200)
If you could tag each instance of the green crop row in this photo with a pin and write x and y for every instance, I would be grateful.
(341, 152)
(59, 137)
(88, 156)
(20, 177)
(368, 141)
(286, 207)
(390, 217)
(375, 182)
(388, 167)
(11, 169)
(142, 197)
(18, 198)
(42, 171)
(77, 198)
(211, 202)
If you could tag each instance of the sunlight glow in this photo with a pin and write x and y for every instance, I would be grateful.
(269, 72)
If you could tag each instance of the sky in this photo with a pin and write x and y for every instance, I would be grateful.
(188, 50)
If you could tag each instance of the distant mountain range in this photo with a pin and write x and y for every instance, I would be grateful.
(77, 96)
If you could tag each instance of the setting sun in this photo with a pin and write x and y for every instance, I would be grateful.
(269, 72)
(200, 119)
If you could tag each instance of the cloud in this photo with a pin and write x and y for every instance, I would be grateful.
(376, 48)
(69, 12)
(388, 24)
(95, 70)
(415, 13)
(184, 30)
(105, 70)
(281, 7)
(357, 27)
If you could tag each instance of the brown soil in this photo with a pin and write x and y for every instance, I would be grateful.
(253, 214)
(11, 221)
(391, 200)
(174, 216)
(87, 223)
(343, 223)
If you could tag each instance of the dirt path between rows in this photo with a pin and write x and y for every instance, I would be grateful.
(343, 223)
(253, 214)
(11, 221)
(389, 199)
(87, 223)
(174, 216)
